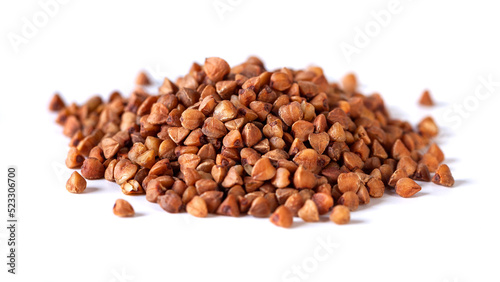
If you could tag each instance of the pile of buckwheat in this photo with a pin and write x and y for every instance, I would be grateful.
(244, 140)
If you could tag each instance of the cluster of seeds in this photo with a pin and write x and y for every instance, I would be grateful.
(244, 140)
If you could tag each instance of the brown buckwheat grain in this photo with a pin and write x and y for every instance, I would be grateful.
(239, 140)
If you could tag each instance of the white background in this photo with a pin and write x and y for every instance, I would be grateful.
(94, 47)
